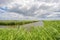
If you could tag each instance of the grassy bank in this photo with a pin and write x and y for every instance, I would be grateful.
(50, 31)
(15, 22)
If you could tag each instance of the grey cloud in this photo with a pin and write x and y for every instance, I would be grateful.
(29, 12)
(3, 2)
(51, 15)
(49, 1)
(56, 9)
(47, 9)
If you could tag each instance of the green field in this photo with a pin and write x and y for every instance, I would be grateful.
(50, 31)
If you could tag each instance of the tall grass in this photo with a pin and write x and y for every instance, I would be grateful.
(50, 31)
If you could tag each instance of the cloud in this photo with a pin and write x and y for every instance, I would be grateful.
(33, 8)
(13, 16)
(5, 1)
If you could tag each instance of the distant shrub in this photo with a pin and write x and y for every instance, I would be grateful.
(15, 22)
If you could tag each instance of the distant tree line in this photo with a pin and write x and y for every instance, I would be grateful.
(16, 23)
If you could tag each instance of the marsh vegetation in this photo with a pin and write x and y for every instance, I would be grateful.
(50, 31)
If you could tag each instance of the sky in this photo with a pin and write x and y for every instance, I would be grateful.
(29, 9)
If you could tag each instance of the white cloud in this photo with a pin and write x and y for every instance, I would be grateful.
(33, 8)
